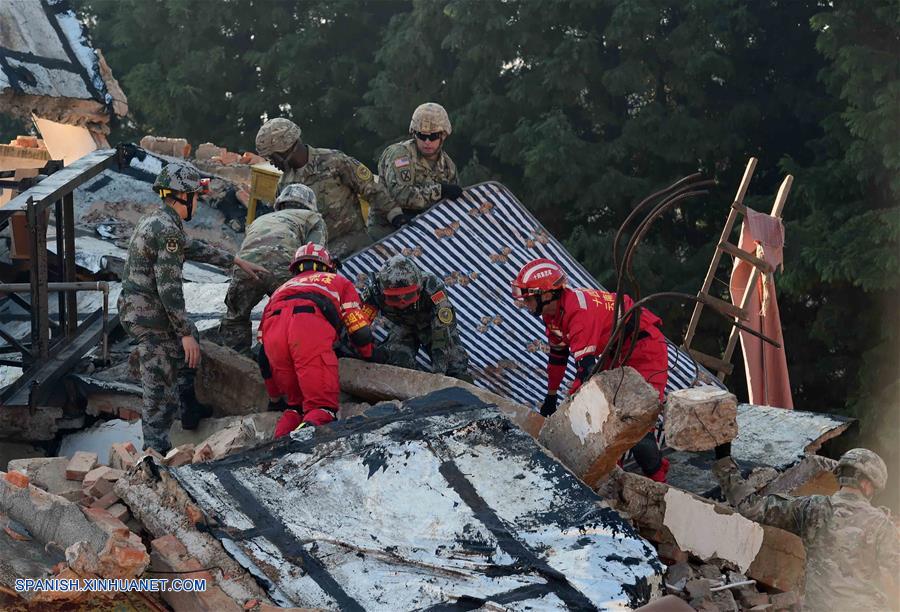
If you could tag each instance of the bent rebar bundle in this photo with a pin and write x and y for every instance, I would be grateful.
(626, 324)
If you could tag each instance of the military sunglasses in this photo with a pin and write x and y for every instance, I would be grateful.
(431, 137)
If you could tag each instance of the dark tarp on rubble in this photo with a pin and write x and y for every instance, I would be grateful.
(477, 244)
(444, 502)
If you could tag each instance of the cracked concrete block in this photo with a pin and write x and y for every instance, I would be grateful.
(80, 464)
(228, 382)
(263, 423)
(610, 413)
(48, 517)
(700, 418)
(375, 382)
(813, 475)
(709, 530)
(49, 473)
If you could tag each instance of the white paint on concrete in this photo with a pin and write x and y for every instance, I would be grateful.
(588, 411)
(699, 529)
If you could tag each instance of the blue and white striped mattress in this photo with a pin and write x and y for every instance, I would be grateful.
(477, 244)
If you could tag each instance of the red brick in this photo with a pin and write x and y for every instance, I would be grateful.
(195, 516)
(17, 479)
(80, 465)
(119, 511)
(105, 520)
(128, 414)
(180, 455)
(92, 476)
(105, 502)
(100, 487)
(120, 458)
(250, 604)
(29, 142)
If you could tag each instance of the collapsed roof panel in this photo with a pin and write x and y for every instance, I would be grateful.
(444, 501)
(47, 66)
(477, 243)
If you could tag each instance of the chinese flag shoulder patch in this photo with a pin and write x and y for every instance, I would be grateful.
(438, 297)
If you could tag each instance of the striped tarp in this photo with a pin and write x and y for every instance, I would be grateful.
(477, 243)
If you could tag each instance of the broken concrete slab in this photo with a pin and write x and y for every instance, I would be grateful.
(813, 475)
(21, 424)
(700, 418)
(228, 382)
(709, 530)
(610, 413)
(49, 517)
(375, 382)
(485, 513)
(49, 473)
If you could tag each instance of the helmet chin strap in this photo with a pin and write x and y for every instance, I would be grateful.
(539, 310)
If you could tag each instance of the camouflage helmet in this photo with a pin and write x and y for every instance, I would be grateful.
(277, 136)
(862, 462)
(399, 271)
(429, 118)
(297, 195)
(178, 176)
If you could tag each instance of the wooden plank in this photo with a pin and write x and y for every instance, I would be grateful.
(726, 307)
(714, 264)
(713, 363)
(751, 259)
(59, 183)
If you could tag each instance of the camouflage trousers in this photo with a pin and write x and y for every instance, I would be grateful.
(447, 354)
(164, 376)
(244, 293)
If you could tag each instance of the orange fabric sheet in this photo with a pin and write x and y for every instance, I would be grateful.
(765, 366)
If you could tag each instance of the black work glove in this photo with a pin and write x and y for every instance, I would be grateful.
(401, 220)
(549, 405)
(449, 190)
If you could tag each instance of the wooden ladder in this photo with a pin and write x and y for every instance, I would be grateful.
(722, 365)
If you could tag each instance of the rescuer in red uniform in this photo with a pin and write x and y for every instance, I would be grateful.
(580, 322)
(299, 328)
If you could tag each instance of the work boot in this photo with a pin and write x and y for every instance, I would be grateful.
(289, 421)
(319, 416)
(192, 410)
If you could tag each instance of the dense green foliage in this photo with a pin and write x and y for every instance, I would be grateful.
(583, 107)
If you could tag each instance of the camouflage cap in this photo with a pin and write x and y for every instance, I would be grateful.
(277, 136)
(297, 195)
(864, 463)
(178, 176)
(430, 118)
(399, 271)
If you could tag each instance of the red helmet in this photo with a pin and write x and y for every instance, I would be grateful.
(312, 252)
(536, 277)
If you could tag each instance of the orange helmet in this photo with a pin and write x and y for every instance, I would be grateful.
(312, 252)
(536, 277)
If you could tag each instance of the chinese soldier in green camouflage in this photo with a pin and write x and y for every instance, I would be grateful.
(416, 305)
(852, 548)
(151, 304)
(338, 180)
(416, 172)
(270, 242)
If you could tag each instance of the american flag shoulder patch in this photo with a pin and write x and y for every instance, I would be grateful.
(401, 162)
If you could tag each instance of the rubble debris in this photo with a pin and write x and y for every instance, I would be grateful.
(48, 473)
(227, 441)
(170, 147)
(263, 424)
(157, 500)
(700, 418)
(709, 530)
(484, 512)
(813, 475)
(122, 456)
(180, 455)
(611, 412)
(19, 423)
(168, 554)
(99, 438)
(377, 382)
(80, 464)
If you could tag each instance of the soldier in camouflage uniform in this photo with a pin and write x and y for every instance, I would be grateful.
(338, 180)
(151, 304)
(421, 315)
(270, 242)
(417, 172)
(851, 546)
